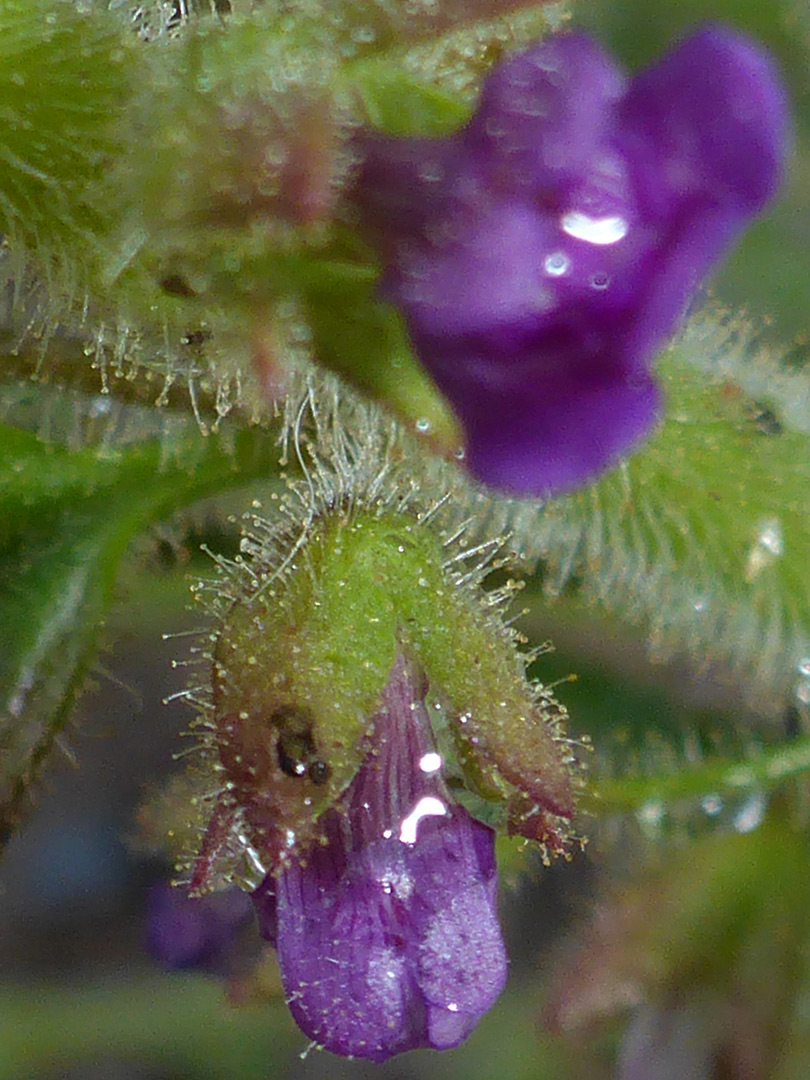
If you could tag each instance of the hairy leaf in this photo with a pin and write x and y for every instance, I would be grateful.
(700, 539)
(68, 519)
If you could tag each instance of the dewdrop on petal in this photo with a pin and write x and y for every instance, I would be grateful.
(355, 597)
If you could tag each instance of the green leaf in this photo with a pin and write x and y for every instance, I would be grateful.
(700, 539)
(68, 519)
(772, 768)
(64, 73)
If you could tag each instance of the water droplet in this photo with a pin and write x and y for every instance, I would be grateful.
(803, 692)
(701, 604)
(422, 425)
(766, 549)
(600, 231)
(771, 538)
(452, 1007)
(599, 280)
(804, 666)
(651, 814)
(431, 171)
(459, 453)
(556, 264)
(363, 35)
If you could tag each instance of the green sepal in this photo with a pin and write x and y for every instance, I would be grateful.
(302, 658)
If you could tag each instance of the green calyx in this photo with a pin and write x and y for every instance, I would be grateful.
(303, 656)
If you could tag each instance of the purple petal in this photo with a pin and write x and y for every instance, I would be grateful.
(564, 426)
(544, 114)
(478, 284)
(387, 934)
(564, 236)
(404, 181)
(708, 121)
(197, 932)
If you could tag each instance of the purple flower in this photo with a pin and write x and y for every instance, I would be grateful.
(387, 933)
(671, 1043)
(197, 932)
(543, 254)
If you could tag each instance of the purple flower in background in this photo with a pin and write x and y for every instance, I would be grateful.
(672, 1043)
(201, 933)
(543, 254)
(387, 934)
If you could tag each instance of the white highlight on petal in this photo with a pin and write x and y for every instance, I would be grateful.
(430, 762)
(428, 806)
(601, 231)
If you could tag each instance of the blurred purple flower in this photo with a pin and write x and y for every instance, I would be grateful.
(543, 254)
(387, 934)
(198, 932)
(676, 1043)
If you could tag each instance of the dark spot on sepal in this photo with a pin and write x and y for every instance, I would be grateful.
(295, 745)
(319, 772)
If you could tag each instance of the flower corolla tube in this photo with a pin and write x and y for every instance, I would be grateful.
(542, 255)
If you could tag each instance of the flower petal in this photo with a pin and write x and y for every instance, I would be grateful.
(551, 429)
(707, 121)
(387, 933)
(564, 237)
(197, 932)
(544, 113)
